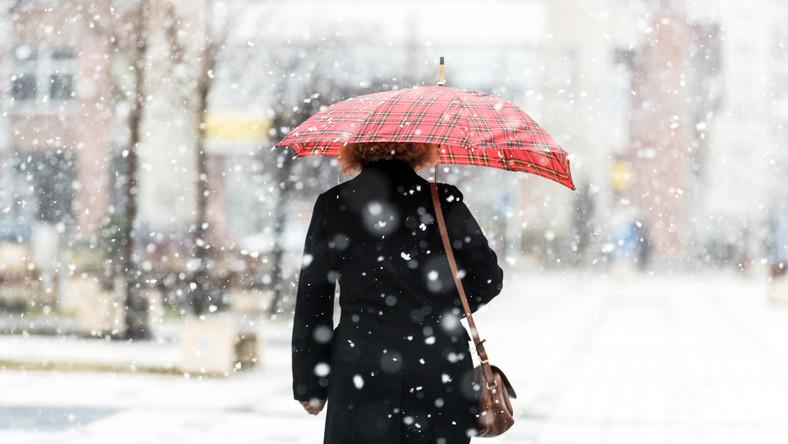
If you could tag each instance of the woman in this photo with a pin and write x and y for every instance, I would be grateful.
(397, 368)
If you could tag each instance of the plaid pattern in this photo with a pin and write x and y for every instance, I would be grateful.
(471, 127)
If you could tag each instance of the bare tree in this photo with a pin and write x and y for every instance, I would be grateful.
(205, 295)
(288, 113)
(318, 88)
(136, 305)
(207, 292)
(126, 27)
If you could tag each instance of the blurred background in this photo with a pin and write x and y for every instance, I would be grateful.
(150, 234)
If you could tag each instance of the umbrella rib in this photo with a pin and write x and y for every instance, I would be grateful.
(467, 121)
(370, 115)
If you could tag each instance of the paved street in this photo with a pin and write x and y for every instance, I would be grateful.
(683, 359)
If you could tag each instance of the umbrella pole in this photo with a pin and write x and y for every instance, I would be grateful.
(441, 73)
(441, 82)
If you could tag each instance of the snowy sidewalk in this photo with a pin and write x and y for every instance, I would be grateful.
(42, 352)
(700, 359)
(162, 355)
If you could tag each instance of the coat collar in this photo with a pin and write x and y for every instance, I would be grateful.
(390, 167)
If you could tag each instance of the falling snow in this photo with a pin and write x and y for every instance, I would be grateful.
(152, 235)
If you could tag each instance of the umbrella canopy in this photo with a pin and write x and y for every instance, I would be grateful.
(471, 128)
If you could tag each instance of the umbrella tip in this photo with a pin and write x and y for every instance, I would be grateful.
(441, 72)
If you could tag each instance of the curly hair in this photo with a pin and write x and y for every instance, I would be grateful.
(353, 156)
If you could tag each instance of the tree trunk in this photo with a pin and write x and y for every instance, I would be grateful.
(206, 296)
(284, 166)
(136, 305)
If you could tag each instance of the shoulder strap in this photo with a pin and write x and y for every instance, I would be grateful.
(458, 282)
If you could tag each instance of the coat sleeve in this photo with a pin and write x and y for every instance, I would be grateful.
(477, 263)
(313, 319)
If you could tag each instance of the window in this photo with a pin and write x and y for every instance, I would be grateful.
(23, 81)
(37, 186)
(61, 77)
(23, 87)
(48, 177)
(621, 99)
(61, 86)
(43, 75)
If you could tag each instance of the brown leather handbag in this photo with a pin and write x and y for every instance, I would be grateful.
(495, 410)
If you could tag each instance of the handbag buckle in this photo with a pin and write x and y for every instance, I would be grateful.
(491, 385)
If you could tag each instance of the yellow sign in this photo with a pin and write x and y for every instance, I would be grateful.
(236, 127)
(621, 175)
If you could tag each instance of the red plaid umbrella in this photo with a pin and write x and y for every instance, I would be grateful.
(471, 128)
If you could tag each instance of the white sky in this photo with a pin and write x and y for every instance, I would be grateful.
(442, 22)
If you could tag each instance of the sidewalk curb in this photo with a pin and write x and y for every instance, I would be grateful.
(61, 366)
(6, 364)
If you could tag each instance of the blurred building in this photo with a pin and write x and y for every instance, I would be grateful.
(586, 102)
(66, 87)
(56, 150)
(778, 190)
(740, 158)
(668, 109)
(669, 103)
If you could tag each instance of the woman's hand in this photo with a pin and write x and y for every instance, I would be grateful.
(313, 406)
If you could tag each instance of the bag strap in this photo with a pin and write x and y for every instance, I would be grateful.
(480, 351)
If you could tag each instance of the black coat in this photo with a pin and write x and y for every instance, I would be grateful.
(397, 368)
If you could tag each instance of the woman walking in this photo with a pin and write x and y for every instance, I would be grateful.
(397, 367)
